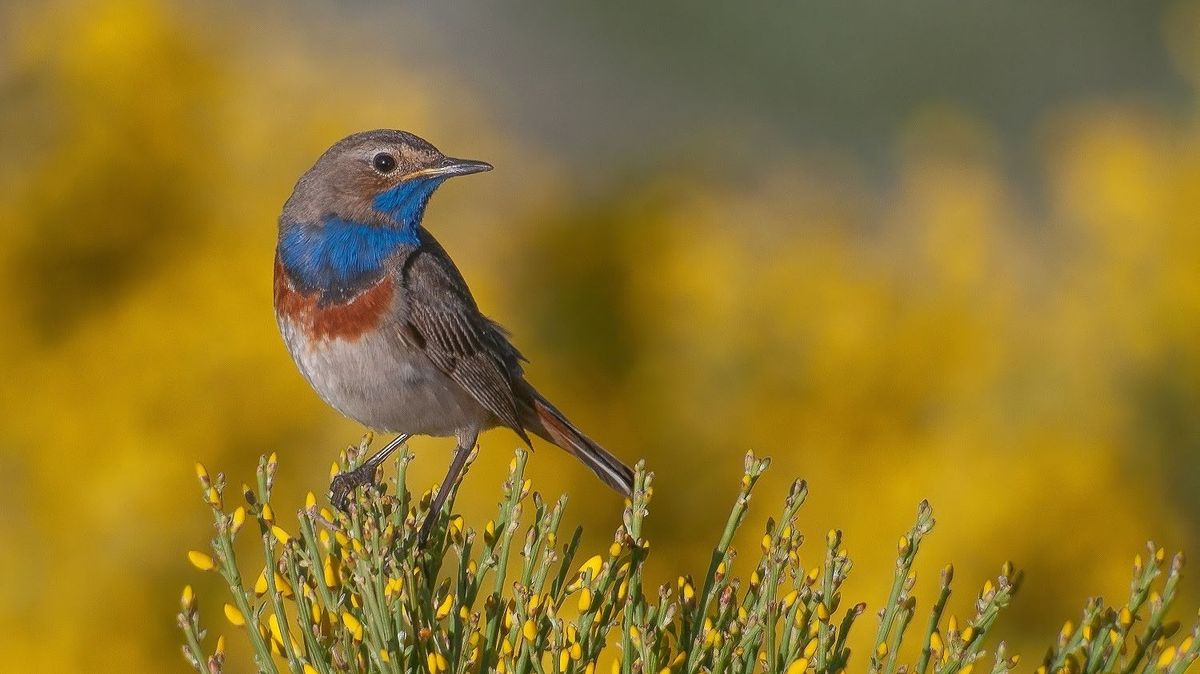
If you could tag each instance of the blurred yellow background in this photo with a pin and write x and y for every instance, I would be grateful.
(930, 251)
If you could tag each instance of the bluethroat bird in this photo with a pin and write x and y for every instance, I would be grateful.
(381, 323)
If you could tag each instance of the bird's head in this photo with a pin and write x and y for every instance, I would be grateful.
(382, 178)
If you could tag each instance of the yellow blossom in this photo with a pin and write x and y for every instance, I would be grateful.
(810, 649)
(234, 616)
(237, 520)
(798, 666)
(273, 625)
(352, 624)
(200, 560)
(591, 568)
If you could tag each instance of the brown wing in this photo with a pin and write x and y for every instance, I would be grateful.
(443, 320)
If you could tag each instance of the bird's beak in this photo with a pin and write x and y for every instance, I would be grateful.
(448, 167)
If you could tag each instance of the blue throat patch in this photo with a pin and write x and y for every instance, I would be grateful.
(338, 256)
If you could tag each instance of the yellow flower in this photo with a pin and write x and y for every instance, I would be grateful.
(273, 624)
(935, 642)
(234, 616)
(810, 648)
(330, 572)
(280, 534)
(592, 567)
(352, 624)
(238, 519)
(798, 667)
(443, 609)
(585, 600)
(529, 630)
(200, 560)
(789, 599)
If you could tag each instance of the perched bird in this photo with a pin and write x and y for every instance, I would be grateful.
(381, 323)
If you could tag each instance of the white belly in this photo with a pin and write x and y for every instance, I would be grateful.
(384, 385)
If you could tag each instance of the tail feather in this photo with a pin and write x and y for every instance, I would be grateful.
(553, 426)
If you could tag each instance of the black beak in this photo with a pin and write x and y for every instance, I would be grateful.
(450, 166)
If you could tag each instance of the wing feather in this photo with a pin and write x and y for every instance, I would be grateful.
(443, 320)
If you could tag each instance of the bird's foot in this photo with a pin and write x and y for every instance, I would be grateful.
(344, 484)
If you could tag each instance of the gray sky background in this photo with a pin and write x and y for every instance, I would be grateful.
(605, 83)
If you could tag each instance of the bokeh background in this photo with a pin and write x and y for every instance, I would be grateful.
(928, 249)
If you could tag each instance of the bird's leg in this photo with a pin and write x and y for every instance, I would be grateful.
(461, 453)
(345, 483)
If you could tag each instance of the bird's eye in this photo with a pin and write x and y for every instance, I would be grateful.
(384, 162)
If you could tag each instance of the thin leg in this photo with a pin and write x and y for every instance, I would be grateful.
(461, 453)
(345, 483)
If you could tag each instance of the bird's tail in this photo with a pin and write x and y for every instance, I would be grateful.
(553, 426)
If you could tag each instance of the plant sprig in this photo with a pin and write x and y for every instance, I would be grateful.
(354, 592)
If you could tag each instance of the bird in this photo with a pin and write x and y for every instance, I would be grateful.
(382, 325)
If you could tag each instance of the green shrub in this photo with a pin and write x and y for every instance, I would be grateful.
(355, 593)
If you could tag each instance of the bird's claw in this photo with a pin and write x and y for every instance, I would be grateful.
(344, 484)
